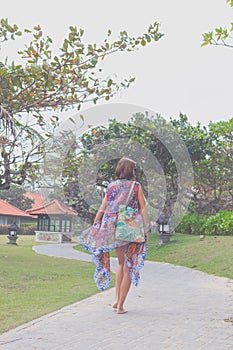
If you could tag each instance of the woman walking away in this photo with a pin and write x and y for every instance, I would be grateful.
(100, 238)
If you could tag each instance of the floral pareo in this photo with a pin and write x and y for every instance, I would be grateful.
(99, 239)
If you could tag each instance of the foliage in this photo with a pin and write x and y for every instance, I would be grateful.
(209, 147)
(128, 134)
(219, 36)
(219, 224)
(214, 173)
(197, 138)
(4, 229)
(68, 79)
(24, 229)
(191, 224)
(41, 81)
(16, 197)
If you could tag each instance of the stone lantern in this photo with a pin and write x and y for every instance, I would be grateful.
(164, 229)
(12, 233)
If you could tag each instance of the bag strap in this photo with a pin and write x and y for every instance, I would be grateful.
(130, 192)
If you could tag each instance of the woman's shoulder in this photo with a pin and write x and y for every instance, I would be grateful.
(123, 181)
(112, 184)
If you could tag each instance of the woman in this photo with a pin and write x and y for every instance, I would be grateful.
(99, 239)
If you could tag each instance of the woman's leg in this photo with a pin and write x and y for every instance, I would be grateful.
(123, 281)
(124, 289)
(119, 274)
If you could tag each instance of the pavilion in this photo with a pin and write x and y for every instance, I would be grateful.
(55, 222)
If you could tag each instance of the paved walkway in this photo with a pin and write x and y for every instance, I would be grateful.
(173, 308)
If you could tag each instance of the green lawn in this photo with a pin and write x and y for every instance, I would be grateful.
(213, 255)
(33, 285)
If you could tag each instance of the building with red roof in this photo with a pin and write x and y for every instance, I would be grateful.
(10, 214)
(37, 198)
(55, 222)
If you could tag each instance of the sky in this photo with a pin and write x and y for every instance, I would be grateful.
(175, 75)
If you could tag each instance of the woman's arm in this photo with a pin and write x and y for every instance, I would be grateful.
(101, 210)
(142, 204)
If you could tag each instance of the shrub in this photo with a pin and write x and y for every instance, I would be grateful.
(191, 224)
(30, 224)
(219, 224)
(4, 229)
(28, 230)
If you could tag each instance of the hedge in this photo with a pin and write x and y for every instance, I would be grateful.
(219, 224)
(28, 230)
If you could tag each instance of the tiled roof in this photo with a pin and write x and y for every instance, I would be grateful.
(38, 199)
(8, 209)
(54, 207)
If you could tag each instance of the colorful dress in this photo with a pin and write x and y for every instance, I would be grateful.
(99, 239)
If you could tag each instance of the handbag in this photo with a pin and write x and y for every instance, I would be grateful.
(129, 227)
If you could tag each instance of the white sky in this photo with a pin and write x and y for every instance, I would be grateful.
(172, 76)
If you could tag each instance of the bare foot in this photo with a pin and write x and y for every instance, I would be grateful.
(121, 311)
(114, 306)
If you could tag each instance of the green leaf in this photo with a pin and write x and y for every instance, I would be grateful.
(65, 44)
(230, 2)
(110, 81)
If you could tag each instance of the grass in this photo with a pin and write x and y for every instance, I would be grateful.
(32, 285)
(213, 255)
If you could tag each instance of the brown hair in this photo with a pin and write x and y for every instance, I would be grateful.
(125, 169)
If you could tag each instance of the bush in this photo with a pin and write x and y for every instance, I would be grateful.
(191, 224)
(219, 224)
(4, 229)
(30, 224)
(28, 230)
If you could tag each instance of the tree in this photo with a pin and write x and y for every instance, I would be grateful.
(214, 173)
(197, 138)
(211, 150)
(220, 36)
(89, 163)
(16, 196)
(94, 156)
(42, 81)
